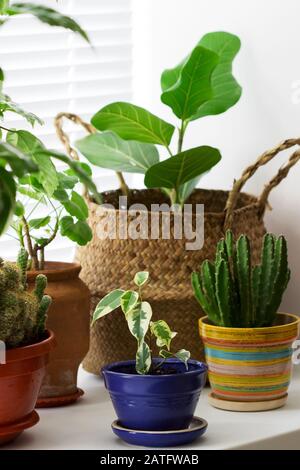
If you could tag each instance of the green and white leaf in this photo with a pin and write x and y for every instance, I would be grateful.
(163, 333)
(181, 168)
(194, 86)
(141, 278)
(110, 302)
(166, 354)
(129, 301)
(139, 319)
(131, 122)
(107, 150)
(46, 15)
(183, 356)
(143, 359)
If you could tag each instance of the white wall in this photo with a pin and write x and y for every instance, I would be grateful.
(268, 67)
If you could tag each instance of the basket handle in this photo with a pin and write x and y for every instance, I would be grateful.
(64, 138)
(249, 172)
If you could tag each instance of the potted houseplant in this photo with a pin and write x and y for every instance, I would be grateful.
(27, 344)
(247, 342)
(129, 139)
(29, 173)
(65, 213)
(149, 394)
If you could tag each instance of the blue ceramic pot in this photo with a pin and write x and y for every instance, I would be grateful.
(155, 402)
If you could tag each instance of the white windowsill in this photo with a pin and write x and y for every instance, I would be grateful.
(86, 425)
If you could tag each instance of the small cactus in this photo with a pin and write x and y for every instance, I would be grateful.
(22, 314)
(233, 293)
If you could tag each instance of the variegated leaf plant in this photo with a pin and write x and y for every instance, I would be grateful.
(138, 314)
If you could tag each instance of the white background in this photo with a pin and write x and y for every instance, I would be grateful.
(267, 67)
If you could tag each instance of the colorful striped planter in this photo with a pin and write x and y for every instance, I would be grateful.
(249, 367)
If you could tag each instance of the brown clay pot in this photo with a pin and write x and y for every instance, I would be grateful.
(20, 381)
(69, 318)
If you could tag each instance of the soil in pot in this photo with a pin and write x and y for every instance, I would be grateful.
(69, 318)
(20, 381)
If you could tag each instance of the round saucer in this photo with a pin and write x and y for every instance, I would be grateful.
(246, 406)
(179, 437)
(11, 431)
(64, 400)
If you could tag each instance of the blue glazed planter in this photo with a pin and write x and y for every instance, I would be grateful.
(155, 402)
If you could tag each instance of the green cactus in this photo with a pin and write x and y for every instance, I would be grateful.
(22, 313)
(233, 293)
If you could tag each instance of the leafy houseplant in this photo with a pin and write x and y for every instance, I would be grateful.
(14, 163)
(29, 176)
(243, 328)
(22, 331)
(138, 315)
(201, 85)
(138, 385)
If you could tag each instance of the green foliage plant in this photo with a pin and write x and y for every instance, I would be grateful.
(128, 135)
(15, 162)
(138, 314)
(235, 293)
(22, 314)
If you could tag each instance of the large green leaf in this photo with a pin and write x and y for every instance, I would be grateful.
(7, 198)
(39, 223)
(19, 162)
(138, 320)
(76, 206)
(131, 122)
(107, 150)
(78, 170)
(163, 333)
(194, 86)
(110, 302)
(79, 232)
(34, 148)
(46, 15)
(226, 90)
(8, 105)
(185, 166)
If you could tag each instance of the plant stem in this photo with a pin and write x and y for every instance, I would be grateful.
(181, 135)
(32, 251)
(123, 186)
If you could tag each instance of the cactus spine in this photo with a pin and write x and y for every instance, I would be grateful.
(22, 314)
(233, 293)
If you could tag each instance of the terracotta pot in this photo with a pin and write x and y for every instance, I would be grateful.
(69, 318)
(20, 381)
(249, 368)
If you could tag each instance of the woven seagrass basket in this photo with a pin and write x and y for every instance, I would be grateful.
(108, 264)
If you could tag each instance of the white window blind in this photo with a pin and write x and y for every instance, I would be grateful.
(49, 70)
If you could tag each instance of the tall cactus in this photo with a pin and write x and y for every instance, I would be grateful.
(22, 314)
(233, 293)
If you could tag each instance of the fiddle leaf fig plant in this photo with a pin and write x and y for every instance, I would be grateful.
(138, 314)
(201, 85)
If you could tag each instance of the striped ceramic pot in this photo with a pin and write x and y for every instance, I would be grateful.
(249, 368)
